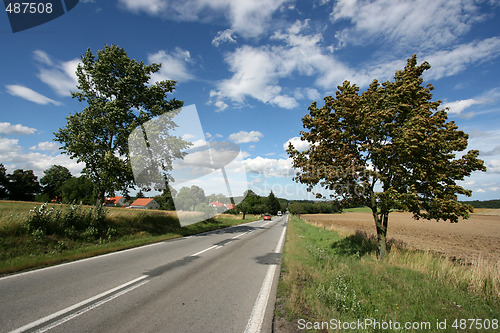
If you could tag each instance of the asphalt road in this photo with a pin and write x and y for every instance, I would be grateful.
(222, 281)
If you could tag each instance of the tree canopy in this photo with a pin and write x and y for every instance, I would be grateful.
(53, 180)
(388, 147)
(119, 98)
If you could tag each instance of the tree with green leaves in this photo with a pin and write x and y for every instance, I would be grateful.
(23, 185)
(4, 182)
(53, 180)
(119, 98)
(389, 147)
(273, 204)
(189, 198)
(78, 190)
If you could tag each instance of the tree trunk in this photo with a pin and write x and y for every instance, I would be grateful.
(381, 221)
(100, 197)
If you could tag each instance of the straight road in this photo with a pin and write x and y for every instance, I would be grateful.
(221, 281)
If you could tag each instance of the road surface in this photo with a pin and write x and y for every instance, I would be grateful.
(222, 281)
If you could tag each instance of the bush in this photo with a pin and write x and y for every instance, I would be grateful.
(73, 222)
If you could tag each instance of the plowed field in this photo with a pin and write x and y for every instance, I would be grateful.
(468, 240)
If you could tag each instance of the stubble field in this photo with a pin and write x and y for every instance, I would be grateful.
(472, 240)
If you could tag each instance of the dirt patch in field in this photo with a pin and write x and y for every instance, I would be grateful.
(468, 240)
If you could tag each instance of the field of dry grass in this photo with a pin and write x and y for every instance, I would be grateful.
(472, 240)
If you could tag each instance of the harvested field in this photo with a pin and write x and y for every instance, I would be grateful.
(477, 238)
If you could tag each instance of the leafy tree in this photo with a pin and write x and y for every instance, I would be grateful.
(389, 147)
(23, 185)
(53, 180)
(166, 199)
(190, 197)
(119, 98)
(4, 182)
(78, 190)
(273, 205)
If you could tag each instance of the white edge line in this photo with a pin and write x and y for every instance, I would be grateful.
(75, 306)
(90, 307)
(256, 319)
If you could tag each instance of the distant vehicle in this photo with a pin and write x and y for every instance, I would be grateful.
(279, 213)
(267, 217)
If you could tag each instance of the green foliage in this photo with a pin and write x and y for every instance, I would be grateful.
(53, 181)
(23, 185)
(73, 222)
(4, 182)
(189, 197)
(273, 204)
(392, 136)
(79, 190)
(313, 207)
(119, 98)
(492, 204)
(166, 199)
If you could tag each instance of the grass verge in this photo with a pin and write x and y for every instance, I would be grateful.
(328, 279)
(21, 250)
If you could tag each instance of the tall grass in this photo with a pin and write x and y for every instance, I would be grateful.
(328, 276)
(34, 235)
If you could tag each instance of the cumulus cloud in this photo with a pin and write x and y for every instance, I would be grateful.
(49, 146)
(30, 95)
(8, 128)
(246, 137)
(426, 24)
(59, 75)
(270, 167)
(174, 65)
(247, 18)
(297, 143)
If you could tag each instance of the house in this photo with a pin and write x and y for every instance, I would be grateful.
(144, 203)
(218, 204)
(113, 201)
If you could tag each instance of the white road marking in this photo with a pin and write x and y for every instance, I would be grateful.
(254, 324)
(82, 303)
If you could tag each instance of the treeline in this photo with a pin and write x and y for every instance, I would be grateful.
(492, 204)
(313, 207)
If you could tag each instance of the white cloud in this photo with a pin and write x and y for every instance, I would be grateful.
(451, 62)
(457, 107)
(174, 65)
(425, 24)
(59, 75)
(226, 36)
(245, 137)
(493, 166)
(8, 128)
(270, 167)
(8, 146)
(247, 18)
(48, 146)
(30, 95)
(13, 157)
(297, 143)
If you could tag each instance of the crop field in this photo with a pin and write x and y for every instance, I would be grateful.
(469, 241)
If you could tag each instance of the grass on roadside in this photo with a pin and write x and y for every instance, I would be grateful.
(21, 249)
(326, 276)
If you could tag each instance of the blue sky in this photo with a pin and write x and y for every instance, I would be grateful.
(252, 68)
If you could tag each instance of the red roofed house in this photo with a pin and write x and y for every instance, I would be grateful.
(216, 204)
(145, 203)
(229, 206)
(113, 201)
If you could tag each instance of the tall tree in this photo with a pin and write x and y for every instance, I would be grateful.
(273, 203)
(119, 98)
(78, 190)
(189, 197)
(23, 185)
(389, 147)
(4, 182)
(53, 180)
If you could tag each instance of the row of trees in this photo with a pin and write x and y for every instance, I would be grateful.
(57, 184)
(313, 207)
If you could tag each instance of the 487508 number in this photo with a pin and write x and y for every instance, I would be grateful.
(29, 8)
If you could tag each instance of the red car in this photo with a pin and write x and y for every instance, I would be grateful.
(267, 217)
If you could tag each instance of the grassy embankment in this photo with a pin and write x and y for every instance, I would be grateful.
(327, 276)
(22, 249)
